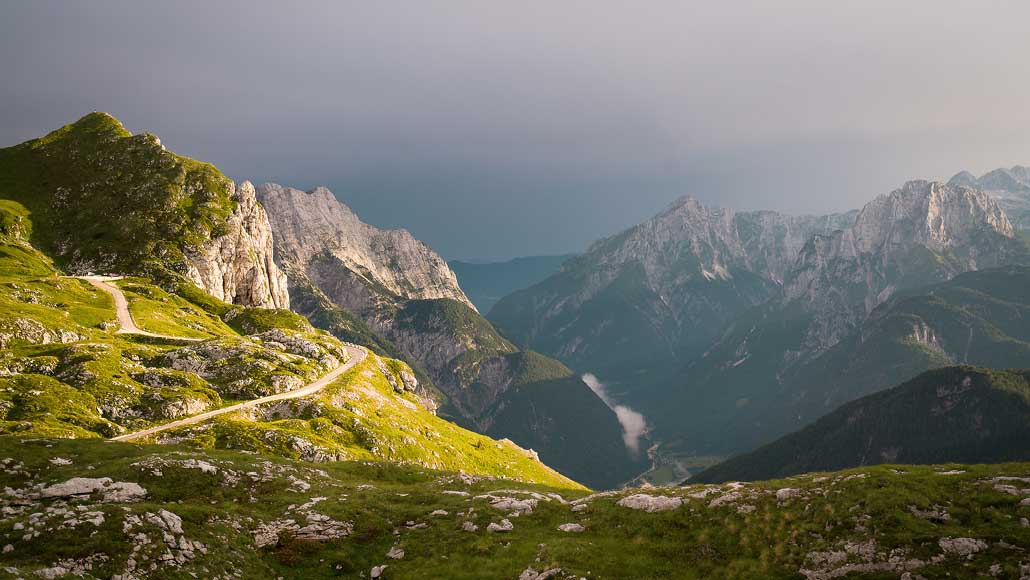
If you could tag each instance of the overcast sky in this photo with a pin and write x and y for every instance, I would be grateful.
(495, 129)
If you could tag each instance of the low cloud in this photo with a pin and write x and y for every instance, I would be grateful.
(633, 423)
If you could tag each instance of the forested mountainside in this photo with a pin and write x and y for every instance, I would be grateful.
(729, 329)
(947, 415)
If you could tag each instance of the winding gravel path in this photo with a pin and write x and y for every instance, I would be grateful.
(357, 354)
(128, 326)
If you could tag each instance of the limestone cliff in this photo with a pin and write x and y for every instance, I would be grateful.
(1010, 187)
(403, 292)
(662, 289)
(238, 266)
(315, 225)
(922, 233)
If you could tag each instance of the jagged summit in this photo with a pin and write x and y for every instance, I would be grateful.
(307, 224)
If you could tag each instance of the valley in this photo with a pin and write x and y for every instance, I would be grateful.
(340, 407)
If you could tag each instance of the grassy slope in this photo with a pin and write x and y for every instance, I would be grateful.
(545, 407)
(362, 416)
(103, 199)
(960, 414)
(863, 518)
(73, 376)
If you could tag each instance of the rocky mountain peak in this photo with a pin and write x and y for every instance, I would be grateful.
(921, 233)
(312, 224)
(931, 213)
(1005, 180)
(963, 179)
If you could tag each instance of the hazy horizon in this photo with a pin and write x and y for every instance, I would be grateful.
(497, 131)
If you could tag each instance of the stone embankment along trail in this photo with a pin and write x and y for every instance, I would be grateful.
(357, 354)
(127, 325)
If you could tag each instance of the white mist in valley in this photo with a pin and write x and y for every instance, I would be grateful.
(633, 423)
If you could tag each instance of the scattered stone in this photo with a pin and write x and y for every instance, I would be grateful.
(725, 498)
(531, 574)
(438, 513)
(580, 507)
(935, 514)
(118, 492)
(377, 571)
(787, 493)
(962, 546)
(575, 528)
(518, 506)
(395, 553)
(60, 461)
(504, 526)
(650, 503)
(469, 526)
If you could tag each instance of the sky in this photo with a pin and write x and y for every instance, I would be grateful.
(495, 129)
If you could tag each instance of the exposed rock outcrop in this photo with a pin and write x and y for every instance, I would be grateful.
(922, 233)
(315, 225)
(663, 288)
(1010, 187)
(238, 266)
(407, 301)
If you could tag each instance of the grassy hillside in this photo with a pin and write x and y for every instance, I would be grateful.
(103, 199)
(65, 372)
(953, 414)
(228, 514)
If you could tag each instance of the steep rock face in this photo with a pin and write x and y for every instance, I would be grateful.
(922, 233)
(105, 200)
(660, 289)
(825, 342)
(405, 293)
(315, 224)
(239, 266)
(1009, 186)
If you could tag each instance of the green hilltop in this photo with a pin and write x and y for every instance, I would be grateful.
(104, 199)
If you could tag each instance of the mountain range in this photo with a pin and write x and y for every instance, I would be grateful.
(406, 294)
(209, 378)
(728, 329)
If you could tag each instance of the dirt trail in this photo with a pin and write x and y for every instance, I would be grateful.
(357, 354)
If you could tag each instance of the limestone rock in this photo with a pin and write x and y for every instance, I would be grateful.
(650, 503)
(314, 224)
(504, 526)
(238, 266)
(962, 546)
(117, 492)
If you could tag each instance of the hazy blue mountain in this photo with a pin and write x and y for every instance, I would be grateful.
(1010, 186)
(487, 282)
(948, 415)
(979, 318)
